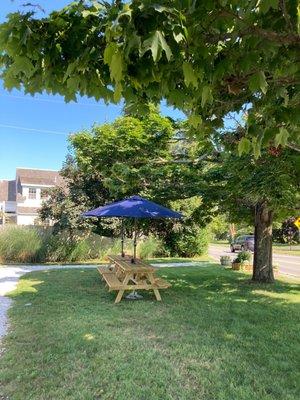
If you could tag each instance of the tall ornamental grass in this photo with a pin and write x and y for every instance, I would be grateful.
(19, 244)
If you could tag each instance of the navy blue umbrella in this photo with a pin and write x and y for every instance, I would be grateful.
(133, 207)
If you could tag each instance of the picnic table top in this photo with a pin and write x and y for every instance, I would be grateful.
(126, 265)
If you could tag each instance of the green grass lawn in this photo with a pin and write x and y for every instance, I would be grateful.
(215, 336)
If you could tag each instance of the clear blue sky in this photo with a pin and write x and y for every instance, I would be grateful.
(34, 130)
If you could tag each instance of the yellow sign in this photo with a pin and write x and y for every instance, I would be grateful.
(297, 222)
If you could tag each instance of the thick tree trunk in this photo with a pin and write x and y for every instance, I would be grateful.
(262, 263)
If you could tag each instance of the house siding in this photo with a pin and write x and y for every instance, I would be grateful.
(14, 195)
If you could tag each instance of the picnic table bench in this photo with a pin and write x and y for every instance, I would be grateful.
(123, 275)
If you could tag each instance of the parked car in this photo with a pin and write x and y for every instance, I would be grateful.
(245, 242)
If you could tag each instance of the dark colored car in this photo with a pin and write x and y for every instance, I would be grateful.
(245, 242)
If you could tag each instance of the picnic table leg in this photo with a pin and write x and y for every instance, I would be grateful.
(121, 292)
(157, 294)
(156, 291)
(119, 296)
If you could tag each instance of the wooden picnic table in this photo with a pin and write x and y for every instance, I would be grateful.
(123, 275)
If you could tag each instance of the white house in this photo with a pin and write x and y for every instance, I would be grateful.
(20, 199)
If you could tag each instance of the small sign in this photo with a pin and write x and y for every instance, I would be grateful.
(297, 222)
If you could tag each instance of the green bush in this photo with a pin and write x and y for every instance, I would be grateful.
(19, 244)
(243, 257)
(189, 241)
(150, 247)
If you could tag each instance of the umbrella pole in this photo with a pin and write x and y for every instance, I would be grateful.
(134, 242)
(134, 295)
(122, 238)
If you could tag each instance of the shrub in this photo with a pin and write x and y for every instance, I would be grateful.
(190, 241)
(19, 244)
(243, 257)
(150, 247)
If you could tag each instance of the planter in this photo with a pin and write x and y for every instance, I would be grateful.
(247, 267)
(236, 266)
(241, 267)
(225, 261)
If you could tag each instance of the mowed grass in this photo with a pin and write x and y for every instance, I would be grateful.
(215, 336)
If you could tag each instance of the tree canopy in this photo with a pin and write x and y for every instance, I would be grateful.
(207, 58)
(145, 156)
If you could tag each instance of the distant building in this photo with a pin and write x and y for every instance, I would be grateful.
(20, 199)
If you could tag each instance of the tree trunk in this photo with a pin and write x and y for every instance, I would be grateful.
(262, 263)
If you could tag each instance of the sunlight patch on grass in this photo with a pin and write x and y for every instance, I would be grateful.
(27, 286)
(89, 336)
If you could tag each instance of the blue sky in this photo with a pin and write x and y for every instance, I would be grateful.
(34, 130)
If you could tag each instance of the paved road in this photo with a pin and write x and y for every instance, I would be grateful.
(288, 265)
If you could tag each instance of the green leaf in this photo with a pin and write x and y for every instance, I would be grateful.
(72, 83)
(269, 134)
(244, 146)
(10, 81)
(258, 82)
(282, 137)
(116, 67)
(179, 37)
(207, 96)
(265, 5)
(190, 77)
(109, 51)
(256, 145)
(118, 92)
(23, 65)
(157, 44)
(195, 120)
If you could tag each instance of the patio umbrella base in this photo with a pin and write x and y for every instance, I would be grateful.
(134, 296)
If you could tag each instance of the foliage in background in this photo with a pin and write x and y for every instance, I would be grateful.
(287, 232)
(187, 239)
(35, 244)
(219, 227)
(149, 156)
(151, 247)
(207, 58)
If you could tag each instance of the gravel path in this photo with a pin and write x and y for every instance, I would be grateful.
(9, 276)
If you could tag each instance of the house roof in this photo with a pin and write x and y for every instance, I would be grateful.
(38, 177)
(7, 190)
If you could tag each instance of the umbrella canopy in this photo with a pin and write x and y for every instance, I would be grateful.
(134, 207)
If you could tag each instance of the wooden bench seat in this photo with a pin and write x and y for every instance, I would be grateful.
(104, 269)
(115, 284)
(162, 284)
(112, 281)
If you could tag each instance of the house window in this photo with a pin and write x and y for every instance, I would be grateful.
(32, 193)
(44, 194)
